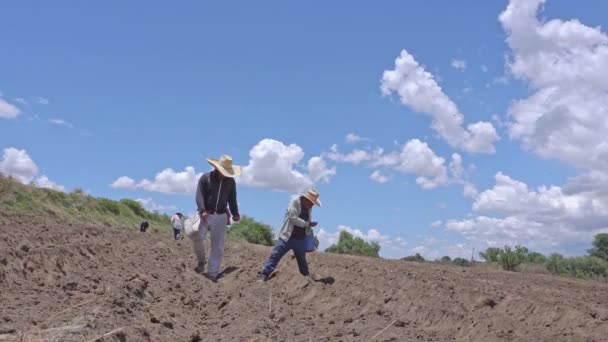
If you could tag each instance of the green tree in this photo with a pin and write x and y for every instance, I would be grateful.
(348, 244)
(446, 259)
(536, 258)
(251, 231)
(461, 262)
(600, 246)
(491, 254)
(509, 259)
(417, 257)
(555, 264)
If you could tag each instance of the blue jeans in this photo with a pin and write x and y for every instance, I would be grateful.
(280, 249)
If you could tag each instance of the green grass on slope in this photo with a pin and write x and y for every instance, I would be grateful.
(76, 206)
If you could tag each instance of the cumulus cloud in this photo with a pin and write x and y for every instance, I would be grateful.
(8, 111)
(45, 182)
(378, 177)
(459, 64)
(418, 90)
(416, 158)
(352, 138)
(18, 164)
(318, 170)
(167, 181)
(150, 205)
(355, 157)
(564, 62)
(272, 165)
(124, 182)
(544, 218)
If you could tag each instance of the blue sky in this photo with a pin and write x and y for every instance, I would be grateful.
(367, 102)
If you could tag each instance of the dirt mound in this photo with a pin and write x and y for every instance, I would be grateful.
(66, 282)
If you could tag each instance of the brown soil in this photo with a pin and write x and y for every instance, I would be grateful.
(74, 282)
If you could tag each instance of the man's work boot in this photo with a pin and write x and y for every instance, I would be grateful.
(200, 268)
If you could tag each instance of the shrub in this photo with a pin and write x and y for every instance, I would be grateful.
(491, 254)
(109, 206)
(135, 207)
(461, 262)
(251, 231)
(348, 244)
(600, 246)
(417, 258)
(536, 258)
(509, 259)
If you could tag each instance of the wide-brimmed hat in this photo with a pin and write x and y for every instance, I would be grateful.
(313, 196)
(224, 166)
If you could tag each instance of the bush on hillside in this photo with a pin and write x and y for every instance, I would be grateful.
(491, 254)
(461, 262)
(349, 244)
(135, 207)
(252, 231)
(108, 206)
(583, 267)
(445, 259)
(600, 246)
(417, 258)
(536, 258)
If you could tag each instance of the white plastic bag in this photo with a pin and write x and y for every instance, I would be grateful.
(192, 225)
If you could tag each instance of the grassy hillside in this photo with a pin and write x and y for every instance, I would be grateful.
(76, 206)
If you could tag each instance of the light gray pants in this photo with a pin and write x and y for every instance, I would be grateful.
(216, 225)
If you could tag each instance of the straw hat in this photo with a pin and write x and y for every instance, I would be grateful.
(313, 196)
(224, 166)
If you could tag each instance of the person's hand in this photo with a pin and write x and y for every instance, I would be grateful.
(313, 224)
(204, 216)
(236, 218)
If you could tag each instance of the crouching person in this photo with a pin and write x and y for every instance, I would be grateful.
(297, 225)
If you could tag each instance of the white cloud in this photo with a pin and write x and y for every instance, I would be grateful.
(8, 111)
(61, 122)
(124, 182)
(352, 138)
(150, 205)
(42, 100)
(355, 157)
(484, 68)
(378, 177)
(272, 165)
(45, 182)
(436, 224)
(418, 90)
(417, 158)
(170, 182)
(545, 218)
(18, 164)
(318, 170)
(459, 64)
(565, 63)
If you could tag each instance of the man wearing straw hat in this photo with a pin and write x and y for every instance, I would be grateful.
(297, 225)
(216, 190)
